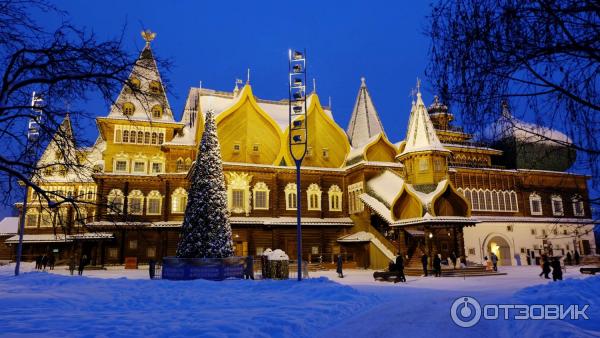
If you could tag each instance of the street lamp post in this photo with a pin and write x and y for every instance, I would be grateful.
(297, 131)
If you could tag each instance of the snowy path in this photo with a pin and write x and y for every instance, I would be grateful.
(49, 305)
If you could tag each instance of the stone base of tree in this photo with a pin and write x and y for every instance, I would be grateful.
(175, 268)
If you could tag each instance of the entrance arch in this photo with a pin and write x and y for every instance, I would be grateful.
(499, 246)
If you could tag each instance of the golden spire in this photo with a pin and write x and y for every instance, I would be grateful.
(148, 35)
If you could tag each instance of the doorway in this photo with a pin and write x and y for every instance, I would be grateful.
(500, 247)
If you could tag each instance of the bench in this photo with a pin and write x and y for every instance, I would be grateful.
(589, 270)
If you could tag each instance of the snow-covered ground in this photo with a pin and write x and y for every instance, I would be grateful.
(118, 302)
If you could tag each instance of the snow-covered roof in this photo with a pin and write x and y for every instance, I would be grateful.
(346, 221)
(363, 236)
(550, 220)
(9, 226)
(38, 238)
(385, 187)
(378, 207)
(428, 219)
(364, 122)
(421, 135)
(509, 126)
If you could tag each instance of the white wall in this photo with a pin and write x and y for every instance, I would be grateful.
(478, 237)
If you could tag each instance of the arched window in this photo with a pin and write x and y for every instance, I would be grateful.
(501, 205)
(154, 87)
(161, 138)
(313, 194)
(238, 192)
(125, 136)
(335, 198)
(535, 204)
(46, 218)
(128, 108)
(291, 198)
(261, 196)
(140, 137)
(514, 205)
(179, 201)
(475, 200)
(578, 209)
(132, 135)
(147, 137)
(482, 205)
(115, 201)
(154, 138)
(157, 111)
(135, 202)
(468, 197)
(154, 203)
(188, 164)
(557, 205)
(179, 165)
(488, 200)
(31, 219)
(495, 201)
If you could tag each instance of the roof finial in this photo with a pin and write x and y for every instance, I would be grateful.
(418, 87)
(330, 102)
(148, 35)
(314, 85)
(363, 82)
(412, 94)
(248, 79)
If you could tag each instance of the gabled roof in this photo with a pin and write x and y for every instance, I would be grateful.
(421, 135)
(365, 122)
(146, 71)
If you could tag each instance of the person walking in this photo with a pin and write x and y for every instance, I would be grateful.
(44, 262)
(453, 259)
(437, 265)
(424, 263)
(400, 268)
(556, 269)
(249, 269)
(494, 261)
(72, 264)
(51, 261)
(568, 259)
(577, 257)
(38, 262)
(545, 267)
(82, 263)
(339, 266)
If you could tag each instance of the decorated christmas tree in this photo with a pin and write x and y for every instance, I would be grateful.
(206, 231)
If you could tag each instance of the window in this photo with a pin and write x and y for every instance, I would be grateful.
(509, 228)
(154, 138)
(135, 202)
(118, 134)
(261, 196)
(354, 192)
(291, 199)
(140, 137)
(156, 168)
(125, 136)
(488, 200)
(313, 194)
(133, 244)
(147, 137)
(437, 164)
(475, 200)
(139, 167)
(178, 201)
(325, 153)
(237, 147)
(188, 164)
(151, 252)
(514, 206)
(256, 148)
(161, 138)
(128, 108)
(533, 232)
(31, 219)
(157, 111)
(115, 201)
(471, 251)
(121, 166)
(237, 200)
(154, 203)
(335, 198)
(135, 82)
(423, 164)
(535, 204)
(113, 252)
(46, 219)
(578, 206)
(81, 218)
(179, 165)
(132, 135)
(154, 87)
(557, 205)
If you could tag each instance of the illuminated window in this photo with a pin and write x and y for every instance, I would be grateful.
(325, 153)
(335, 198)
(139, 167)
(178, 201)
(135, 202)
(354, 192)
(128, 108)
(237, 199)
(179, 165)
(121, 166)
(31, 220)
(535, 204)
(115, 201)
(140, 137)
(423, 164)
(125, 136)
(557, 205)
(578, 209)
(157, 111)
(132, 135)
(46, 219)
(156, 168)
(313, 194)
(147, 137)
(155, 87)
(261, 196)
(291, 198)
(154, 203)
